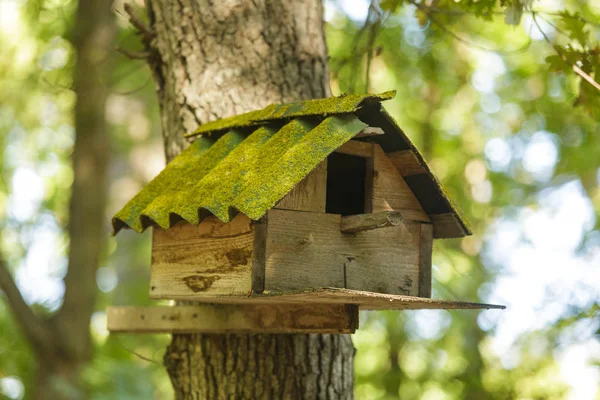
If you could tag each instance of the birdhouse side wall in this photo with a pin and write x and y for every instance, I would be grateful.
(212, 259)
(390, 192)
(306, 250)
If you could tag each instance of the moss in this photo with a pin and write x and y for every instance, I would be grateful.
(184, 171)
(246, 173)
(252, 172)
(279, 176)
(333, 105)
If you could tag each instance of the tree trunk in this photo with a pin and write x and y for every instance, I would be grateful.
(69, 343)
(216, 59)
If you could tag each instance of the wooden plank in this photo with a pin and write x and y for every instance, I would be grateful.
(225, 318)
(366, 222)
(426, 246)
(209, 260)
(369, 131)
(447, 226)
(406, 162)
(310, 194)
(364, 299)
(390, 191)
(307, 250)
(356, 148)
(259, 255)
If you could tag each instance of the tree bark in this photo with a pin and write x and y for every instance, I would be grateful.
(216, 59)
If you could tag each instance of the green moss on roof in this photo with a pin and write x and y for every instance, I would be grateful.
(323, 107)
(278, 177)
(183, 172)
(249, 162)
(240, 172)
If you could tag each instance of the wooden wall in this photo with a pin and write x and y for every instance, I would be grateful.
(208, 260)
(307, 250)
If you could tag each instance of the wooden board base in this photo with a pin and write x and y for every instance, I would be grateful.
(224, 318)
(364, 300)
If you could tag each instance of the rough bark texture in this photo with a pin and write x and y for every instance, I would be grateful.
(216, 59)
(212, 60)
(261, 366)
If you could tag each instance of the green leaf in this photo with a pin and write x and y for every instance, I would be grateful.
(513, 13)
(556, 63)
(390, 5)
(575, 26)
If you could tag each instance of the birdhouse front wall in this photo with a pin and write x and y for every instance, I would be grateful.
(307, 250)
(209, 260)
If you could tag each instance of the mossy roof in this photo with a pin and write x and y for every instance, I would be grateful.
(247, 163)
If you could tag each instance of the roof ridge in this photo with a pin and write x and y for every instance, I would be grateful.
(343, 104)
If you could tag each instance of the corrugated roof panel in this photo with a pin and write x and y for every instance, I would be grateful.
(182, 172)
(255, 159)
(279, 177)
(240, 171)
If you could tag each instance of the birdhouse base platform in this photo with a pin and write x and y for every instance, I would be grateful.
(229, 318)
(326, 310)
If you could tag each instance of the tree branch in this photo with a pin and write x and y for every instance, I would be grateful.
(584, 75)
(444, 28)
(138, 22)
(35, 329)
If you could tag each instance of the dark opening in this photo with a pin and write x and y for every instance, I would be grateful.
(345, 184)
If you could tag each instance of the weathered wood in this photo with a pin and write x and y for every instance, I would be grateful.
(310, 194)
(307, 250)
(369, 131)
(406, 162)
(228, 318)
(447, 226)
(366, 222)
(259, 255)
(390, 191)
(366, 300)
(356, 148)
(212, 259)
(426, 246)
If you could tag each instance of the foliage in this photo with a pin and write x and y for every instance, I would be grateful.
(507, 125)
(512, 133)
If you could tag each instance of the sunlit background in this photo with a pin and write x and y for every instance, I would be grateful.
(503, 133)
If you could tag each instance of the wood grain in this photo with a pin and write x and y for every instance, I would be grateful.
(307, 250)
(310, 194)
(356, 148)
(406, 162)
(390, 191)
(447, 226)
(211, 259)
(365, 300)
(226, 318)
(366, 222)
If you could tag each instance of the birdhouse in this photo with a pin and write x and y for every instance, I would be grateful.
(291, 218)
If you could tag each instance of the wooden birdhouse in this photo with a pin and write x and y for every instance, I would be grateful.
(297, 212)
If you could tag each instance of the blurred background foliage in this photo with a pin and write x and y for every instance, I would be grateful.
(495, 93)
